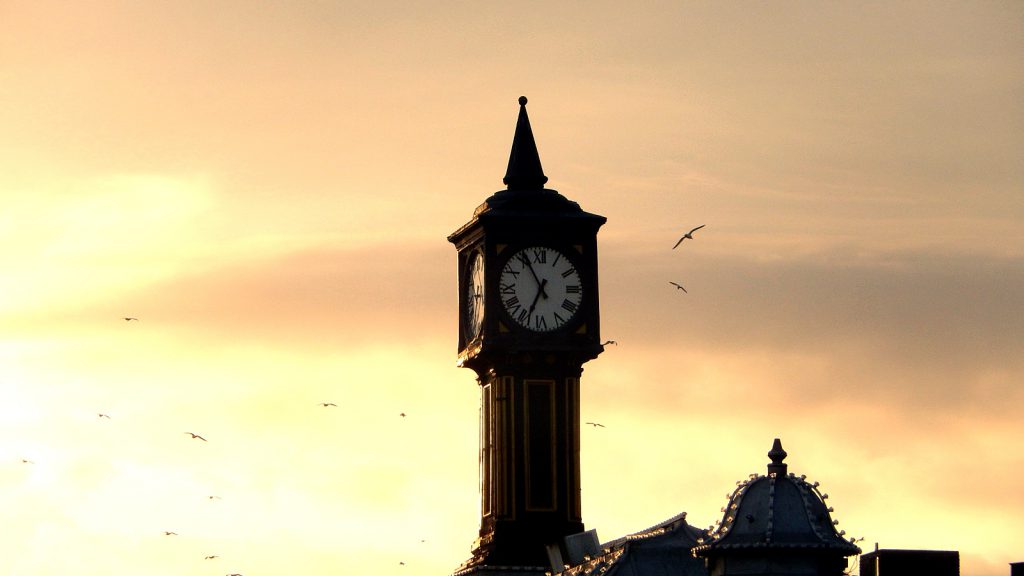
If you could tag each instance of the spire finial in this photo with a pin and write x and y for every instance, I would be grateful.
(777, 454)
(524, 170)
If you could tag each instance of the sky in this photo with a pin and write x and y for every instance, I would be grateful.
(268, 189)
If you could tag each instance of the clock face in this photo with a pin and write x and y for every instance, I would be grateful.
(474, 296)
(540, 288)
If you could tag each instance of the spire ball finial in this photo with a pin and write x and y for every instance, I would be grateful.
(522, 100)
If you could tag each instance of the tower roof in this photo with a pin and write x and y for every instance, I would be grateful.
(524, 171)
(777, 511)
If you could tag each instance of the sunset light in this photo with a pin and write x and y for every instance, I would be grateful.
(231, 220)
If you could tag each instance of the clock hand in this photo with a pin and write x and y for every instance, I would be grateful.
(537, 297)
(526, 260)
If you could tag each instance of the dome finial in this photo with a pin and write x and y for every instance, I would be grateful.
(524, 170)
(777, 454)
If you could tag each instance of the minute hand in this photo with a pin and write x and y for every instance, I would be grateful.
(526, 260)
(537, 297)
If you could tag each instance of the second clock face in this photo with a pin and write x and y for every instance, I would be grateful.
(540, 288)
(474, 296)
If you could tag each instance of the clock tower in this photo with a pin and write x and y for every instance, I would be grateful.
(528, 321)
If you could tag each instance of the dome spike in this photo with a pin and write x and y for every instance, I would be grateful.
(777, 455)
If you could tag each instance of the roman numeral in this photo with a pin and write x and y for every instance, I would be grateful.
(508, 289)
(572, 289)
(569, 305)
(540, 256)
(569, 272)
(512, 305)
(540, 323)
(524, 316)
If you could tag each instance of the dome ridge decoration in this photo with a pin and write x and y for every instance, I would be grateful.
(776, 511)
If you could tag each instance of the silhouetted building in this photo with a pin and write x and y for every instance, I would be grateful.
(528, 321)
(777, 524)
(1016, 568)
(910, 563)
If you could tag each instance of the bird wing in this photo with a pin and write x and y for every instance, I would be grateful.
(695, 229)
(680, 241)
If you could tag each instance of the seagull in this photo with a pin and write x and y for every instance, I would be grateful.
(596, 424)
(211, 497)
(194, 435)
(169, 533)
(130, 318)
(607, 342)
(679, 286)
(211, 557)
(326, 404)
(102, 415)
(26, 461)
(688, 235)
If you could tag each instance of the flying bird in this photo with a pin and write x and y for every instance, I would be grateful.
(102, 415)
(596, 424)
(194, 435)
(130, 318)
(169, 533)
(402, 414)
(211, 557)
(607, 342)
(688, 235)
(326, 404)
(679, 286)
(211, 497)
(26, 461)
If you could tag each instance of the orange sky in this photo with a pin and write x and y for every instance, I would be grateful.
(269, 188)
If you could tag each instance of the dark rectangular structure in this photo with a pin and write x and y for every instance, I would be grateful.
(910, 563)
(1016, 568)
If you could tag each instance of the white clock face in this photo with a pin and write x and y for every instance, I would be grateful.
(540, 288)
(474, 296)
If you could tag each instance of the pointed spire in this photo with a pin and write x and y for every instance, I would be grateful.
(777, 454)
(524, 171)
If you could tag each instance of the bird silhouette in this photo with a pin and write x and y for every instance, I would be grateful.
(130, 318)
(211, 557)
(102, 415)
(687, 235)
(26, 461)
(169, 533)
(596, 424)
(194, 435)
(607, 342)
(212, 497)
(326, 404)
(679, 286)
(402, 414)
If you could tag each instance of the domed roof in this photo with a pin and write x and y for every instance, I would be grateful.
(777, 511)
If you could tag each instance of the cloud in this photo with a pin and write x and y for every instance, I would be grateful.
(937, 332)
